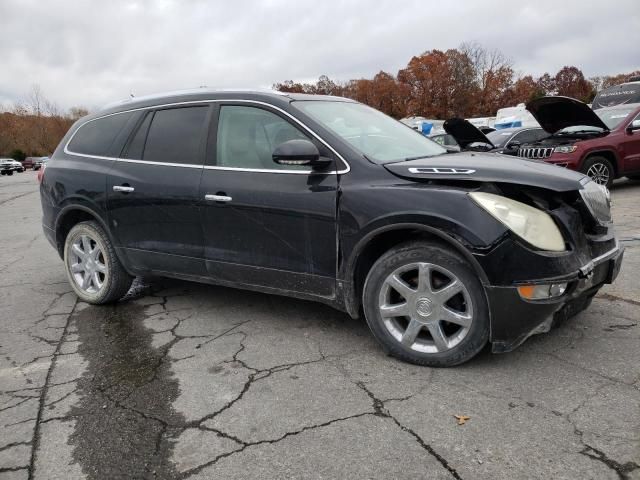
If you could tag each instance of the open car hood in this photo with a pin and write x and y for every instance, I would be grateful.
(465, 133)
(556, 113)
(489, 167)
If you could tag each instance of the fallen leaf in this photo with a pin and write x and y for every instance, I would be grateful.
(462, 419)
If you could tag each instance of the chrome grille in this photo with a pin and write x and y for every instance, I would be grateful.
(535, 152)
(596, 198)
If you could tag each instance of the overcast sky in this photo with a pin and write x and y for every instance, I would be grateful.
(94, 52)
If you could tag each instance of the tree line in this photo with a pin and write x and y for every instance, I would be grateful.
(34, 126)
(468, 81)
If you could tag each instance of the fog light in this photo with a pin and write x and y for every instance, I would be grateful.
(541, 292)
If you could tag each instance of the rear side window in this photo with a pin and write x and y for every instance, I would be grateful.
(175, 135)
(136, 146)
(97, 136)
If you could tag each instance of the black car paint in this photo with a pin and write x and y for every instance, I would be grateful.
(308, 235)
(555, 113)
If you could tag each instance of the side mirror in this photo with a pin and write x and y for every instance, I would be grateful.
(514, 145)
(299, 152)
(635, 125)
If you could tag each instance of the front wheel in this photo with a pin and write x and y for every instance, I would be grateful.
(600, 170)
(426, 305)
(94, 271)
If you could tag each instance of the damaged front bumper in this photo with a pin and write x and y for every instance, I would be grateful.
(514, 318)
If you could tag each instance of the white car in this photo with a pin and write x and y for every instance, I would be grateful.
(9, 165)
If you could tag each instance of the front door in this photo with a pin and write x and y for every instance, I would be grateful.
(630, 148)
(265, 224)
(153, 191)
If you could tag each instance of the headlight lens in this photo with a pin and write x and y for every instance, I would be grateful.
(533, 225)
(565, 149)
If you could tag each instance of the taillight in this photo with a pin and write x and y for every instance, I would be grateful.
(41, 172)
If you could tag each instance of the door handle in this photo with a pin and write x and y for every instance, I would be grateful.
(217, 198)
(123, 188)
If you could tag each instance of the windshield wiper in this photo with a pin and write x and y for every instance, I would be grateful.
(418, 157)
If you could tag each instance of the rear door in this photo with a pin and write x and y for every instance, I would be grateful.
(153, 191)
(265, 224)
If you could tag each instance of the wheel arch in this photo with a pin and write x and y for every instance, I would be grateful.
(373, 245)
(609, 155)
(70, 216)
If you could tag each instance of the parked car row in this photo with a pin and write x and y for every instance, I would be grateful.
(9, 165)
(603, 144)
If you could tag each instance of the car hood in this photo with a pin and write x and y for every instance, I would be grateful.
(556, 113)
(489, 167)
(465, 132)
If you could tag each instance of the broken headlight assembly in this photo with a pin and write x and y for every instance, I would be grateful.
(531, 224)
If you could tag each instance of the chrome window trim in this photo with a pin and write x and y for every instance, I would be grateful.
(347, 168)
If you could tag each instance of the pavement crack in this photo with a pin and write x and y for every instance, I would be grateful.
(622, 469)
(245, 445)
(13, 444)
(43, 395)
(615, 298)
(382, 411)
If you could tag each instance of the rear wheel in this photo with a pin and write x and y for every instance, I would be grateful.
(425, 305)
(600, 170)
(93, 269)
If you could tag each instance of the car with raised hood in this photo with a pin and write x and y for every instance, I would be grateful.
(468, 137)
(326, 199)
(603, 144)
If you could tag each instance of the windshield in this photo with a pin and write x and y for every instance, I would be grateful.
(499, 138)
(378, 137)
(613, 116)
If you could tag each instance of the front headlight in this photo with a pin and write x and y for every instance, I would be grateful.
(565, 149)
(533, 225)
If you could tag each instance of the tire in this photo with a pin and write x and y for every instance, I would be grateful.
(600, 170)
(107, 280)
(10, 173)
(426, 308)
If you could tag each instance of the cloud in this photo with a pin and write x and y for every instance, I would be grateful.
(91, 53)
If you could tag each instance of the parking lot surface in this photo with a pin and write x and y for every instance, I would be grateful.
(182, 380)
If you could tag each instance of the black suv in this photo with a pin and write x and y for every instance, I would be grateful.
(326, 199)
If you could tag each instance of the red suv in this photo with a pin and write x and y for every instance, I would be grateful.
(604, 144)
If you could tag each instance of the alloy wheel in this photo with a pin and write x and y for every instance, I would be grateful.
(87, 264)
(425, 307)
(599, 173)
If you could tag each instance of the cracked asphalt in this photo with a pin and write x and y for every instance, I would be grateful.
(182, 380)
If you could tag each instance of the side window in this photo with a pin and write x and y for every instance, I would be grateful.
(247, 137)
(97, 136)
(540, 134)
(136, 145)
(175, 135)
(528, 136)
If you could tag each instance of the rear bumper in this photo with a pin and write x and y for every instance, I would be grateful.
(50, 234)
(514, 319)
